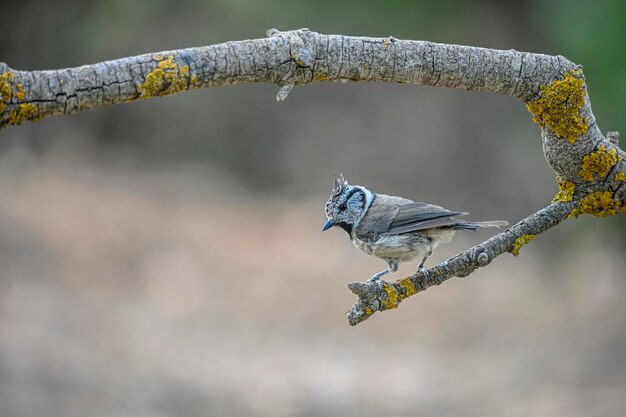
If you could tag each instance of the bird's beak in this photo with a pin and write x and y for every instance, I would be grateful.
(330, 223)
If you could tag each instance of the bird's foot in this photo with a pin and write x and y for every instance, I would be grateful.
(376, 277)
(422, 270)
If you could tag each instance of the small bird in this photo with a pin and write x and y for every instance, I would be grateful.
(394, 229)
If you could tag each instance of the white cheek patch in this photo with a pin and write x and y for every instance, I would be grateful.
(369, 197)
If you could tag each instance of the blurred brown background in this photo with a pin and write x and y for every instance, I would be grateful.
(164, 258)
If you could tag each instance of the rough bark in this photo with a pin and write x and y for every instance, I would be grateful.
(590, 168)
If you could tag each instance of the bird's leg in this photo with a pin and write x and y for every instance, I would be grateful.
(420, 267)
(393, 267)
(377, 276)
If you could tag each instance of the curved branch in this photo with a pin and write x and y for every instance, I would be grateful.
(591, 169)
(284, 58)
(381, 295)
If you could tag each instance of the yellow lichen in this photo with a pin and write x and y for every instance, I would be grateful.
(167, 78)
(20, 92)
(599, 204)
(409, 288)
(598, 163)
(25, 111)
(519, 242)
(559, 106)
(566, 191)
(393, 297)
(299, 63)
(6, 89)
(620, 176)
(368, 311)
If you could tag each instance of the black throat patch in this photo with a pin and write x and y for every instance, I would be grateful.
(345, 226)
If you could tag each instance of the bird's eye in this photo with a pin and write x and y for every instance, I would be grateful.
(343, 207)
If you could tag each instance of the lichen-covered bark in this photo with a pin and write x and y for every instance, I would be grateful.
(284, 58)
(590, 168)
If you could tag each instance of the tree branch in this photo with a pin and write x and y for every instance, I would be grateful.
(284, 58)
(591, 169)
(382, 295)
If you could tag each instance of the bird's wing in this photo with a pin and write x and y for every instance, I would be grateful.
(391, 217)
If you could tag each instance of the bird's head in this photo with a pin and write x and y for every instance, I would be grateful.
(346, 205)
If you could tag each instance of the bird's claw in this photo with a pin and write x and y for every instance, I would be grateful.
(376, 277)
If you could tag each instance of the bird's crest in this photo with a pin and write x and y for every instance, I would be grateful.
(338, 186)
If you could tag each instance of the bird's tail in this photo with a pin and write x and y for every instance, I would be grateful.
(480, 225)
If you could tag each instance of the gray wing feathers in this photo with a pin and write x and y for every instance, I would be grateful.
(416, 212)
(424, 224)
(379, 221)
(419, 216)
(480, 225)
(394, 215)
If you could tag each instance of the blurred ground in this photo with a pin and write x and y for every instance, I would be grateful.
(130, 292)
(164, 258)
